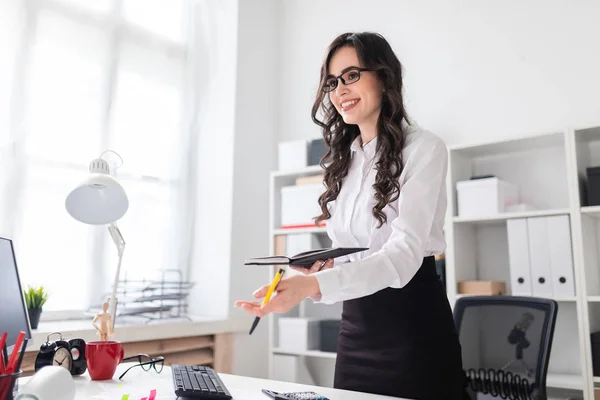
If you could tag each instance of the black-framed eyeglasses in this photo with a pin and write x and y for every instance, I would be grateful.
(348, 76)
(146, 362)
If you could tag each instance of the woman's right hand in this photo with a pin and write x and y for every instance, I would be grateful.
(320, 265)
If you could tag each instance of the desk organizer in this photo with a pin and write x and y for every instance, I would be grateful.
(7, 385)
(163, 298)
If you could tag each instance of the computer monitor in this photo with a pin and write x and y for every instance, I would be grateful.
(13, 311)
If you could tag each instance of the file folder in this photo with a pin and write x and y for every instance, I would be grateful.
(518, 256)
(561, 256)
(539, 257)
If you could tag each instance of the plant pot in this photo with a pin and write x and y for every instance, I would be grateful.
(34, 316)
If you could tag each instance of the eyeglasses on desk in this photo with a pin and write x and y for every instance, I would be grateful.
(146, 362)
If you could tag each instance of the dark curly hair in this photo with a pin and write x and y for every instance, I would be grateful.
(375, 53)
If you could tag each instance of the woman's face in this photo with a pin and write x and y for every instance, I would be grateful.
(359, 103)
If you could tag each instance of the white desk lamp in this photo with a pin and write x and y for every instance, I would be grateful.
(101, 200)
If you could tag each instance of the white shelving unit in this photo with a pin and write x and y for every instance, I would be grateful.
(317, 366)
(308, 353)
(550, 171)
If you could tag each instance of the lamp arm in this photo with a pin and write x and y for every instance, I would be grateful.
(115, 233)
(117, 238)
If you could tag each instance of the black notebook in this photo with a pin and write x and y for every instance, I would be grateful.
(307, 258)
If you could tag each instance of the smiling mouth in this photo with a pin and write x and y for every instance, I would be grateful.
(347, 105)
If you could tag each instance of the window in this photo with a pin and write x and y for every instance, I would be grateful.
(164, 17)
(92, 76)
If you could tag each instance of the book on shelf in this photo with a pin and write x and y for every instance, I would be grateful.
(305, 259)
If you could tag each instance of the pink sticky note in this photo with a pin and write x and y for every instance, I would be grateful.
(152, 394)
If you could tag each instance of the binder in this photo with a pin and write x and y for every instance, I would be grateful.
(561, 256)
(539, 257)
(518, 257)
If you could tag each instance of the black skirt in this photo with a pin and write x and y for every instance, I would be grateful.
(402, 342)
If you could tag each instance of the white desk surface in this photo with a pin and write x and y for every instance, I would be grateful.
(138, 383)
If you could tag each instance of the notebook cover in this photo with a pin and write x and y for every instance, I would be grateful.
(306, 259)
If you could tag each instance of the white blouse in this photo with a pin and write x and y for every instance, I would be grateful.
(414, 227)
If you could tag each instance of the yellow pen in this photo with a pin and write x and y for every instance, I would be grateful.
(272, 288)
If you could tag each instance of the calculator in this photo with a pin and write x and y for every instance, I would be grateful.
(293, 395)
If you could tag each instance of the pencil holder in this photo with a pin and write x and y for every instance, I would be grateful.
(7, 385)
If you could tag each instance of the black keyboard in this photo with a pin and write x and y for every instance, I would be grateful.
(198, 382)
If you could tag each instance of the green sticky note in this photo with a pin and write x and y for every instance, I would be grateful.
(125, 397)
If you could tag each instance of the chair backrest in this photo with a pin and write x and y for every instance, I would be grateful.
(506, 343)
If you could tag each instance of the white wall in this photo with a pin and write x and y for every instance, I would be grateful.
(474, 70)
(254, 157)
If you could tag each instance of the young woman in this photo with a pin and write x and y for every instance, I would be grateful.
(385, 190)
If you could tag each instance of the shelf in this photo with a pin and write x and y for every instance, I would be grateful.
(592, 211)
(297, 231)
(593, 299)
(564, 381)
(501, 218)
(312, 170)
(563, 299)
(510, 146)
(588, 134)
(307, 353)
(559, 299)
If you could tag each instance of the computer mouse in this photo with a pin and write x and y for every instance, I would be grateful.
(49, 383)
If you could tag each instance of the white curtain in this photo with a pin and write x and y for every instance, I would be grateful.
(78, 77)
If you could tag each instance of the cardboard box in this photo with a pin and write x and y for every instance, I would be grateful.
(482, 287)
(280, 245)
(596, 394)
(309, 180)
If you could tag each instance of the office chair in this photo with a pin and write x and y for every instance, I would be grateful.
(506, 343)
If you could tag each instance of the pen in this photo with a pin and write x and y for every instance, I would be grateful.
(272, 288)
(20, 359)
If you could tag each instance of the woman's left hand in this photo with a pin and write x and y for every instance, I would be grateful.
(290, 292)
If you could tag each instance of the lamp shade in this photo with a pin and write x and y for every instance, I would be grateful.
(98, 200)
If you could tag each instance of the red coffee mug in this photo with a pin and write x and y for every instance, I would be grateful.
(102, 359)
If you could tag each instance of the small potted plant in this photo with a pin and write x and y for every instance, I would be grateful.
(35, 298)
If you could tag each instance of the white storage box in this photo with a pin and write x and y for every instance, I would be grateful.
(299, 334)
(300, 204)
(293, 155)
(484, 197)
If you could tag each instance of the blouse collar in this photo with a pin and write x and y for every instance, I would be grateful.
(369, 149)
